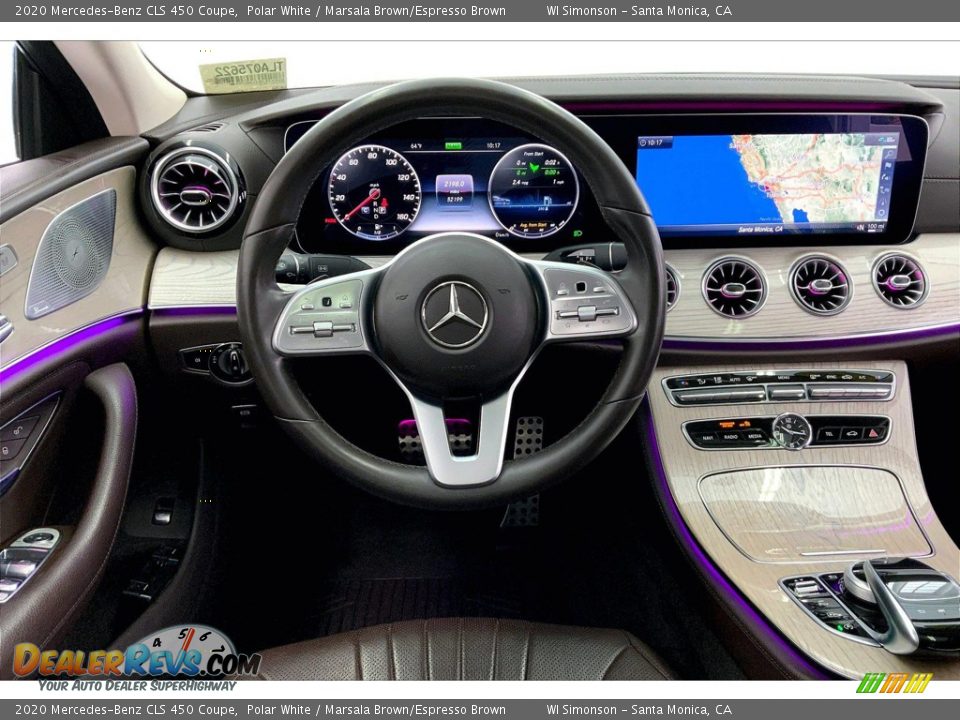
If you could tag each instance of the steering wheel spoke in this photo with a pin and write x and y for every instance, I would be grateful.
(327, 317)
(583, 303)
(485, 464)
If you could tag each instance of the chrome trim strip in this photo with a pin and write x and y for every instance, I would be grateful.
(773, 343)
(766, 388)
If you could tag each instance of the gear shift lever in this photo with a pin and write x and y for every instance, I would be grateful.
(920, 606)
(901, 636)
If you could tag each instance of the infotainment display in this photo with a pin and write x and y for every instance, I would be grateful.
(756, 178)
(769, 184)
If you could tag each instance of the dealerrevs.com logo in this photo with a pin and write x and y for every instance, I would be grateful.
(180, 651)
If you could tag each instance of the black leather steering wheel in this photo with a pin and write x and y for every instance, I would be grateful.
(455, 314)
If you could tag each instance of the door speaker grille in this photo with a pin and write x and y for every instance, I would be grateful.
(73, 256)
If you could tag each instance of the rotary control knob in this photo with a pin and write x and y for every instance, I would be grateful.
(228, 364)
(792, 431)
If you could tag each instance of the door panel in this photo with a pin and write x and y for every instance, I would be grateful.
(45, 604)
(122, 290)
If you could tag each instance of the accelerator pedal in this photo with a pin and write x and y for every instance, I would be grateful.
(527, 440)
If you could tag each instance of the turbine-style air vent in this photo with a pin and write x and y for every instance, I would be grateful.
(673, 287)
(820, 285)
(194, 190)
(734, 288)
(900, 281)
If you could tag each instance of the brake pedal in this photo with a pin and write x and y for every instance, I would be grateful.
(459, 435)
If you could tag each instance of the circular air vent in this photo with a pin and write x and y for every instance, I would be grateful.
(820, 285)
(734, 288)
(194, 189)
(900, 281)
(673, 287)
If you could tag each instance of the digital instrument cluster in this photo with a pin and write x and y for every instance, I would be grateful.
(441, 175)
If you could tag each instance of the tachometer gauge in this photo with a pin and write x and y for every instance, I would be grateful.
(374, 192)
(533, 191)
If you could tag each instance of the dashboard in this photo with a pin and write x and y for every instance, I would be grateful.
(788, 213)
(708, 179)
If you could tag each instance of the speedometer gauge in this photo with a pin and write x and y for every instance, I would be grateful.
(374, 192)
(533, 191)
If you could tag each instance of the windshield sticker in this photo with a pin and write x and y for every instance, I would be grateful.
(244, 76)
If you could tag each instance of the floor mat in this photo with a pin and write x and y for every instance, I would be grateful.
(354, 604)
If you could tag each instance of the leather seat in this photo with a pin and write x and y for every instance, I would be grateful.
(466, 649)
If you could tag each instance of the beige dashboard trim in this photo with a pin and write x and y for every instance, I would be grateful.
(196, 279)
(122, 290)
(781, 318)
(684, 466)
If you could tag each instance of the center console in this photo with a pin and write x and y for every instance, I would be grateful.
(802, 486)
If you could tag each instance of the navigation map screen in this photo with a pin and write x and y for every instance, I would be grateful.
(768, 184)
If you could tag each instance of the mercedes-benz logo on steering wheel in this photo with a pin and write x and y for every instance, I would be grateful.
(454, 314)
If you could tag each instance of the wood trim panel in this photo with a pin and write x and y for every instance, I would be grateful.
(185, 279)
(789, 514)
(781, 317)
(685, 466)
(123, 289)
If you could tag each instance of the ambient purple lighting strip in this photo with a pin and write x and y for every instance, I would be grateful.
(65, 343)
(706, 564)
(839, 343)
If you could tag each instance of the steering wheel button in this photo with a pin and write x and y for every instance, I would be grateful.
(323, 329)
(344, 327)
(587, 313)
(567, 314)
(607, 312)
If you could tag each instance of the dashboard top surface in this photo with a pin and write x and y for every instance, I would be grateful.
(253, 131)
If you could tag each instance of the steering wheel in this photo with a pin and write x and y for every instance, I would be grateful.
(453, 315)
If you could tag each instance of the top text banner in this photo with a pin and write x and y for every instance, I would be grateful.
(425, 11)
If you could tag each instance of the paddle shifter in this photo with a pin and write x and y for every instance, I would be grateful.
(907, 605)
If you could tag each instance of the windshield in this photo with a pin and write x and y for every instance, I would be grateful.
(223, 67)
